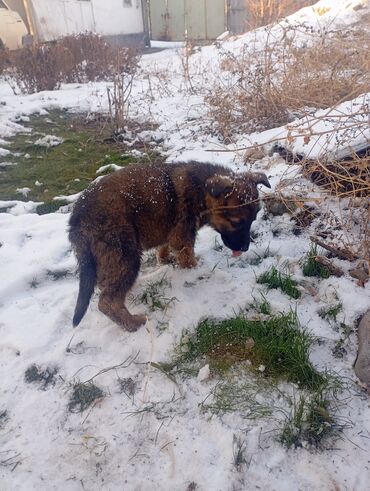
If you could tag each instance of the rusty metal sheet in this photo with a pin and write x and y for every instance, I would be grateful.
(167, 20)
(171, 20)
(237, 16)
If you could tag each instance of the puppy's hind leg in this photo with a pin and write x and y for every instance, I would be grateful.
(118, 264)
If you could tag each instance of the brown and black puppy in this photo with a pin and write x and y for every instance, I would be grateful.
(145, 206)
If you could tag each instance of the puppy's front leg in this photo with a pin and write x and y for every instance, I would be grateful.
(185, 258)
(182, 241)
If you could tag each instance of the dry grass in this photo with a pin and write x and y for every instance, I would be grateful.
(269, 88)
(263, 12)
(332, 70)
(345, 178)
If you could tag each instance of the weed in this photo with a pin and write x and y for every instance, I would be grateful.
(255, 259)
(218, 247)
(279, 344)
(330, 313)
(3, 417)
(83, 395)
(58, 274)
(275, 279)
(239, 450)
(44, 377)
(154, 295)
(34, 283)
(310, 422)
(339, 350)
(311, 267)
(240, 394)
(50, 207)
(127, 386)
(262, 306)
(265, 307)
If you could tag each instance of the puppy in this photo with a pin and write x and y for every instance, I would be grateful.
(144, 206)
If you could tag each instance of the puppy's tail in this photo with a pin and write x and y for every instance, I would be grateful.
(87, 268)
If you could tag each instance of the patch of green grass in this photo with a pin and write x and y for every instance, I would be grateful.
(278, 344)
(262, 306)
(311, 267)
(275, 279)
(83, 395)
(63, 169)
(331, 312)
(154, 295)
(44, 377)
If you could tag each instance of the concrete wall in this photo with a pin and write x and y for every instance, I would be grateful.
(57, 18)
(118, 16)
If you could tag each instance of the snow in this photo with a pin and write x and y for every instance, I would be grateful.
(49, 141)
(23, 191)
(166, 44)
(103, 168)
(159, 436)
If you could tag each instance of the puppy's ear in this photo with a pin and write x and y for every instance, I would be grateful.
(260, 178)
(218, 185)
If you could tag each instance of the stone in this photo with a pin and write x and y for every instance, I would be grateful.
(362, 364)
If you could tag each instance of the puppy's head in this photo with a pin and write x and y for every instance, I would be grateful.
(232, 206)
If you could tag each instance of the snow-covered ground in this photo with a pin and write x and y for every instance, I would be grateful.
(158, 436)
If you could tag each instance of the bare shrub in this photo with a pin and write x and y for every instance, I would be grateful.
(249, 99)
(268, 88)
(119, 101)
(39, 67)
(344, 178)
(263, 12)
(80, 58)
(93, 59)
(4, 57)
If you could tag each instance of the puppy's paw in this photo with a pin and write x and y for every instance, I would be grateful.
(187, 262)
(133, 323)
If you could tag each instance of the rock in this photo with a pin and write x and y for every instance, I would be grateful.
(249, 344)
(254, 153)
(277, 205)
(309, 288)
(360, 272)
(204, 373)
(362, 364)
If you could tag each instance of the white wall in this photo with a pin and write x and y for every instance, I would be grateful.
(112, 17)
(57, 18)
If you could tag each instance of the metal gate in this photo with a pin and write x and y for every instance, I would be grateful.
(237, 16)
(174, 20)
